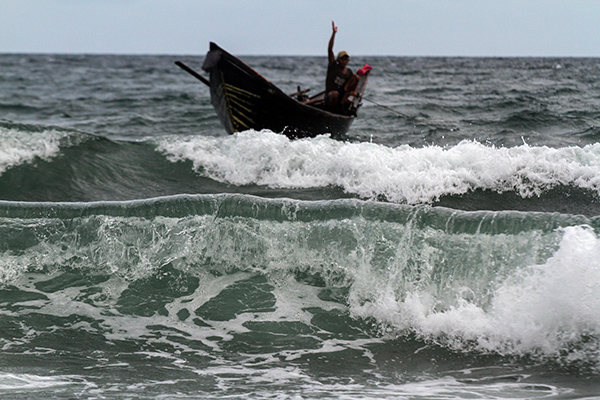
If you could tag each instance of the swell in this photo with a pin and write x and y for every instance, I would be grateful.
(475, 281)
(45, 163)
(248, 206)
(336, 240)
(42, 163)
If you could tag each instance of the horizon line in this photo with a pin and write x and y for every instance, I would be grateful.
(149, 54)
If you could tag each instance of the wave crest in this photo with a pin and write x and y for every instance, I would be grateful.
(21, 144)
(403, 174)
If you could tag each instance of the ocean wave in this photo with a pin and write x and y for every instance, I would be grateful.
(22, 144)
(511, 283)
(508, 283)
(135, 238)
(547, 310)
(403, 174)
(76, 166)
(46, 163)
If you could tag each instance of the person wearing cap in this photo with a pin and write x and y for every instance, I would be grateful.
(340, 82)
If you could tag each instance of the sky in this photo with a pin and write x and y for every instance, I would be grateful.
(498, 28)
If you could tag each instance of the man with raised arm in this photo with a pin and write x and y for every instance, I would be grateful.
(340, 82)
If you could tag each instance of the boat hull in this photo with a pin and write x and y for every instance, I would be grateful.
(244, 100)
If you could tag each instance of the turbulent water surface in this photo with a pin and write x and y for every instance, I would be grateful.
(446, 248)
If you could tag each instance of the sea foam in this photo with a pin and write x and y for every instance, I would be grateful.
(551, 309)
(402, 174)
(20, 146)
(17, 382)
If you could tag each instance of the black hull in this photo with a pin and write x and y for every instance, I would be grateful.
(244, 100)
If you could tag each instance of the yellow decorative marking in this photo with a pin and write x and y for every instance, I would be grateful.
(240, 91)
(242, 115)
(239, 122)
(227, 100)
(235, 100)
(240, 105)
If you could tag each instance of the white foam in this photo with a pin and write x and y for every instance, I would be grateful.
(12, 382)
(19, 147)
(403, 174)
(540, 309)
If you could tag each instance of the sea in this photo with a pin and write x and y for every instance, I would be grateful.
(447, 247)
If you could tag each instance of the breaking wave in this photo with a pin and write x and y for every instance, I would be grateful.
(402, 174)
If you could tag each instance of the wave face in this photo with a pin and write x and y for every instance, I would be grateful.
(216, 284)
(446, 248)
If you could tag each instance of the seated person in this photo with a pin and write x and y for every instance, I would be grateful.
(340, 82)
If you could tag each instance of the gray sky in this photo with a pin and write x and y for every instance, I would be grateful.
(303, 27)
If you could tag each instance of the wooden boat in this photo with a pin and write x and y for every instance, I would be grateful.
(244, 100)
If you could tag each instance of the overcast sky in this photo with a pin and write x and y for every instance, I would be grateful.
(303, 27)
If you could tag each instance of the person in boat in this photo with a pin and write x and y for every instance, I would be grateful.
(340, 82)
